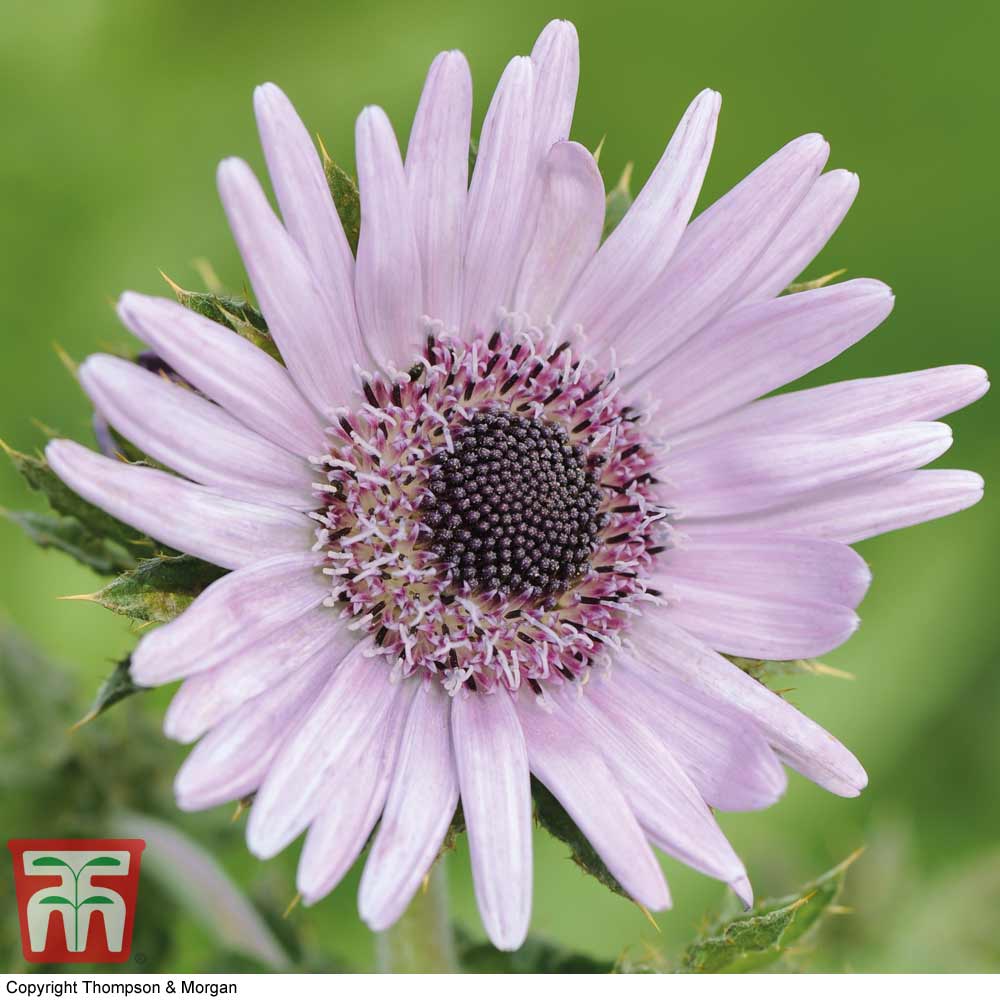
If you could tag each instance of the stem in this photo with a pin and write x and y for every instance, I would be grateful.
(421, 940)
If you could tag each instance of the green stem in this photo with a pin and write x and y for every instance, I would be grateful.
(421, 940)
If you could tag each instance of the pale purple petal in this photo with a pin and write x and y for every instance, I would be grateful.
(419, 809)
(855, 406)
(437, 171)
(799, 741)
(733, 475)
(719, 246)
(195, 519)
(496, 236)
(563, 759)
(571, 218)
(352, 706)
(315, 343)
(307, 207)
(231, 615)
(194, 877)
(226, 367)
(755, 563)
(663, 797)
(232, 760)
(493, 775)
(388, 289)
(765, 628)
(853, 512)
(801, 238)
(556, 61)
(635, 255)
(196, 438)
(208, 697)
(758, 348)
(353, 801)
(727, 759)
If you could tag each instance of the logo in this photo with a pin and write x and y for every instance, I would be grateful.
(76, 898)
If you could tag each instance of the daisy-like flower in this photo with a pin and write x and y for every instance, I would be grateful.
(513, 494)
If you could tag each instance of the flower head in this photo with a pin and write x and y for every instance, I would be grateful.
(513, 493)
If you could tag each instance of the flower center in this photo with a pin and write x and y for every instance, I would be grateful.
(513, 507)
(490, 517)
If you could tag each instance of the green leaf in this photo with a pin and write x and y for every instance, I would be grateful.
(550, 814)
(158, 589)
(763, 935)
(55, 899)
(230, 311)
(96, 900)
(66, 534)
(535, 955)
(49, 862)
(618, 201)
(39, 476)
(103, 862)
(346, 197)
(114, 688)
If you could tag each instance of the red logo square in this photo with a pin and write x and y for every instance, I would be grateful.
(76, 898)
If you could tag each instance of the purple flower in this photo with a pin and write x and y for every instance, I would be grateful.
(514, 494)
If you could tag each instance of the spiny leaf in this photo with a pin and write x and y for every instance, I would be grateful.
(550, 814)
(39, 476)
(535, 955)
(618, 201)
(157, 590)
(68, 535)
(805, 286)
(114, 688)
(121, 446)
(230, 311)
(765, 670)
(345, 195)
(761, 936)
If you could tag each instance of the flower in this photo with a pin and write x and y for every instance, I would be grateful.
(514, 497)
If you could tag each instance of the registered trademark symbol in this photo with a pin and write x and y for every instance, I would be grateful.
(139, 958)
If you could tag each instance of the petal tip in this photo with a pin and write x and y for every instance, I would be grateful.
(813, 145)
(557, 26)
(231, 170)
(743, 890)
(59, 451)
(266, 90)
(707, 99)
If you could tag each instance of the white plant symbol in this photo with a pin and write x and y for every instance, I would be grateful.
(76, 899)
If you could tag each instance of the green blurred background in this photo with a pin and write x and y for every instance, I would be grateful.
(114, 117)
